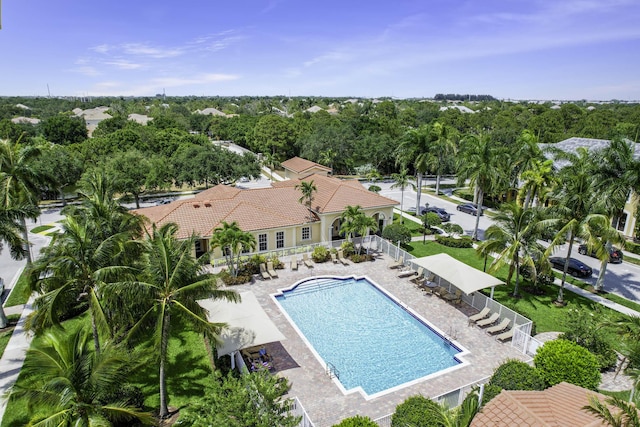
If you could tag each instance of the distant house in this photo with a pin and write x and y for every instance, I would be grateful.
(560, 405)
(29, 120)
(92, 116)
(297, 167)
(273, 215)
(314, 109)
(211, 112)
(626, 223)
(460, 108)
(139, 118)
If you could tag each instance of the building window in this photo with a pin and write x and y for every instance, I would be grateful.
(280, 239)
(306, 233)
(262, 242)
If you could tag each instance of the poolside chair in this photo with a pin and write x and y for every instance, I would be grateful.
(341, 257)
(263, 271)
(506, 335)
(441, 291)
(488, 321)
(454, 298)
(397, 263)
(406, 273)
(294, 263)
(499, 327)
(306, 260)
(271, 270)
(481, 315)
(419, 276)
(334, 258)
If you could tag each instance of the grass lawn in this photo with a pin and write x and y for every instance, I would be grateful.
(539, 308)
(20, 293)
(41, 228)
(5, 335)
(189, 372)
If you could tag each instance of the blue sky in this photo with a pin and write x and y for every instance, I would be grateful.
(530, 49)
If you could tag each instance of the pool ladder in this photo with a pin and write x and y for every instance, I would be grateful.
(332, 371)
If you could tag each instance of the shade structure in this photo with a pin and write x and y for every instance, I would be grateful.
(247, 323)
(459, 274)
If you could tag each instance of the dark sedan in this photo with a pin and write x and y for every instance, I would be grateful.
(442, 214)
(615, 254)
(469, 208)
(576, 267)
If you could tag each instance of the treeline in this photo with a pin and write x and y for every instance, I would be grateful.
(458, 97)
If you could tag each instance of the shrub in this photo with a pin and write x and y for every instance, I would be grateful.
(375, 188)
(397, 232)
(583, 330)
(413, 412)
(452, 242)
(490, 391)
(357, 421)
(632, 247)
(348, 248)
(244, 276)
(252, 265)
(561, 360)
(320, 254)
(361, 258)
(517, 375)
(277, 264)
(634, 355)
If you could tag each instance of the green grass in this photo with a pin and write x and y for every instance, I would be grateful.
(20, 293)
(539, 308)
(41, 228)
(6, 334)
(622, 301)
(632, 260)
(188, 372)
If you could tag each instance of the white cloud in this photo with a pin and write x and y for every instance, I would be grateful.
(124, 64)
(143, 49)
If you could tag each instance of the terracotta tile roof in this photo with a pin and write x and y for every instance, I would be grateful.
(256, 209)
(557, 406)
(334, 195)
(300, 165)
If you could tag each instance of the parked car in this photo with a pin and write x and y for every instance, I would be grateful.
(469, 208)
(163, 202)
(576, 267)
(444, 215)
(615, 254)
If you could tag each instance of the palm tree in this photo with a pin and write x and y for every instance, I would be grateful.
(461, 416)
(11, 233)
(307, 188)
(600, 235)
(349, 220)
(442, 150)
(415, 147)
(171, 284)
(625, 415)
(402, 181)
(483, 162)
(513, 238)
(539, 176)
(365, 225)
(70, 385)
(19, 181)
(573, 204)
(232, 241)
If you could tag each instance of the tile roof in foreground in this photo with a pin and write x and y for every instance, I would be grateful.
(560, 405)
(260, 208)
(334, 195)
(300, 165)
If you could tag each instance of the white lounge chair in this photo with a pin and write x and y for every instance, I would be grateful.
(294, 263)
(271, 270)
(341, 257)
(488, 321)
(499, 327)
(306, 260)
(483, 313)
(506, 335)
(263, 271)
(397, 263)
(334, 258)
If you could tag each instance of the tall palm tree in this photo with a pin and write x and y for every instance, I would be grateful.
(308, 189)
(19, 180)
(624, 415)
(171, 284)
(600, 236)
(365, 225)
(349, 220)
(483, 162)
(402, 180)
(443, 147)
(232, 241)
(11, 234)
(70, 385)
(540, 175)
(574, 203)
(415, 147)
(513, 238)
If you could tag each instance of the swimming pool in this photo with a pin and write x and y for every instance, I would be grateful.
(375, 343)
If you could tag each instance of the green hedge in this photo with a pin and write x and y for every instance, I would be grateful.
(632, 247)
(452, 242)
(561, 360)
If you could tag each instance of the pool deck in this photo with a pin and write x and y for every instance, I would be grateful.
(321, 398)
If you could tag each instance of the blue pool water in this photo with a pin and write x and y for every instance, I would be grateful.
(372, 341)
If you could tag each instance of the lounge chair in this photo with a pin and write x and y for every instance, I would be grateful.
(506, 335)
(441, 291)
(334, 258)
(481, 315)
(294, 263)
(306, 260)
(419, 276)
(407, 273)
(499, 327)
(454, 298)
(271, 270)
(397, 263)
(341, 257)
(488, 321)
(263, 271)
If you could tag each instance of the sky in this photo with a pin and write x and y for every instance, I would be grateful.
(511, 49)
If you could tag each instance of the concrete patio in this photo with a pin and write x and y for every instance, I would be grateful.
(322, 399)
